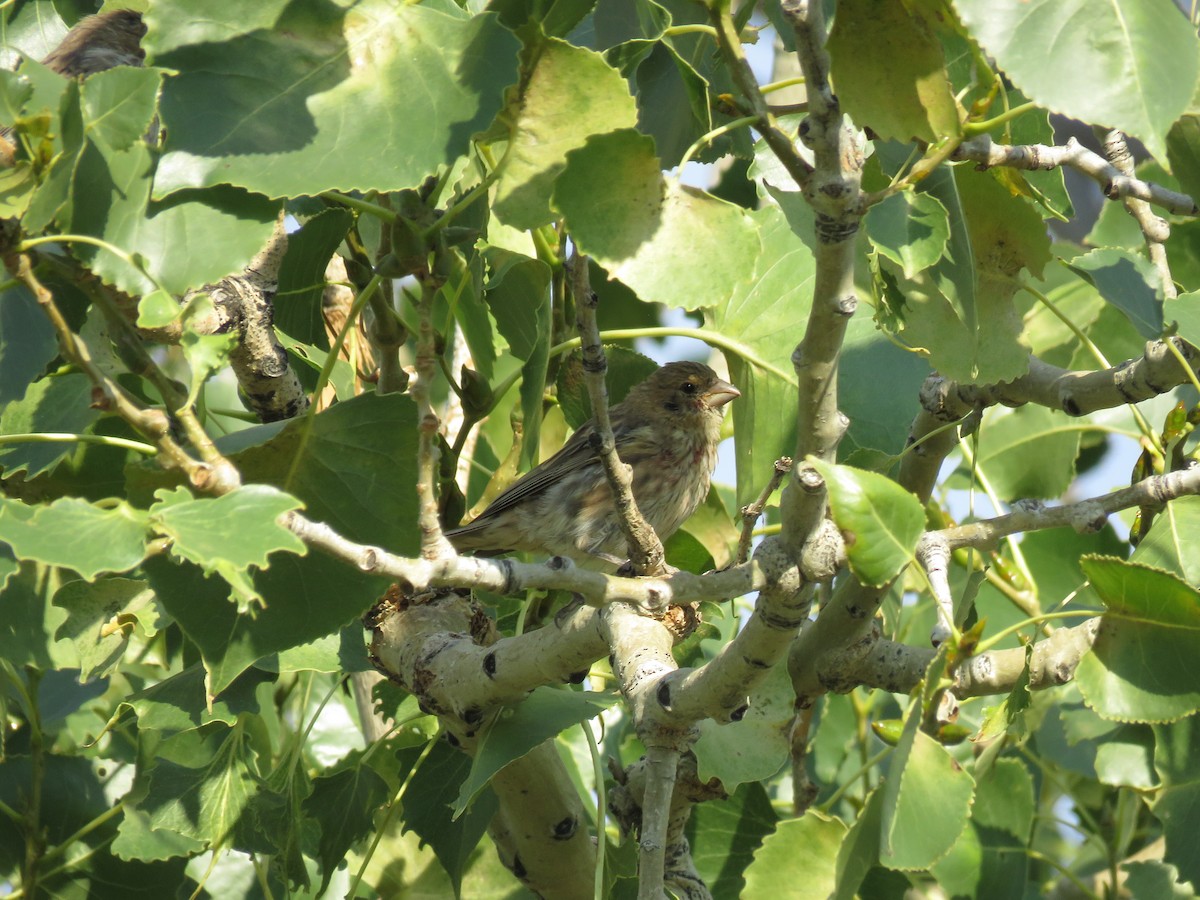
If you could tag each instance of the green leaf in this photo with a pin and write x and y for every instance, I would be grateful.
(1141, 666)
(60, 404)
(517, 730)
(74, 534)
(889, 73)
(932, 804)
(547, 129)
(267, 110)
(1183, 152)
(910, 229)
(1177, 805)
(626, 368)
(1010, 441)
(1173, 542)
(138, 840)
(344, 800)
(427, 802)
(1156, 879)
(203, 792)
(1184, 312)
(229, 534)
(961, 311)
(724, 835)
(27, 342)
(177, 23)
(988, 861)
(519, 298)
(1129, 283)
(879, 419)
(755, 747)
(179, 703)
(766, 315)
(860, 850)
(206, 354)
(102, 617)
(669, 243)
(1132, 64)
(302, 276)
(879, 520)
(118, 105)
(803, 854)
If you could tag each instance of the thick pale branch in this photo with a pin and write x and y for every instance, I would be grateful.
(640, 650)
(464, 677)
(437, 649)
(1114, 183)
(719, 689)
(645, 548)
(896, 667)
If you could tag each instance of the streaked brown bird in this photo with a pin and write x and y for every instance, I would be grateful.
(95, 43)
(666, 429)
(100, 42)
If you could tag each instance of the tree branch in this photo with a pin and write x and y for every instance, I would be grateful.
(1113, 183)
(1155, 229)
(645, 548)
(1075, 393)
(508, 576)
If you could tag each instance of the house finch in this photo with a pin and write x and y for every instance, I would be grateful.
(100, 42)
(95, 43)
(666, 429)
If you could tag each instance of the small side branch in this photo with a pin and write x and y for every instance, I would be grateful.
(433, 541)
(1086, 516)
(645, 548)
(897, 667)
(1115, 184)
(752, 511)
(1076, 393)
(508, 577)
(1155, 229)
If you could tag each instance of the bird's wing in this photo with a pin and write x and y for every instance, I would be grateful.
(575, 453)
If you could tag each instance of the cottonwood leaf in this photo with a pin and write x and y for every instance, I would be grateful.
(879, 520)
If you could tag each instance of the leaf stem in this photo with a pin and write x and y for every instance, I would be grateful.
(970, 129)
(711, 136)
(985, 646)
(362, 206)
(54, 437)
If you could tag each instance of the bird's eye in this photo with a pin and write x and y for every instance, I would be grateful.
(671, 406)
(688, 388)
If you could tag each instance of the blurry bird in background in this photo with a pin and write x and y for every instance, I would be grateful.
(100, 42)
(95, 43)
(667, 429)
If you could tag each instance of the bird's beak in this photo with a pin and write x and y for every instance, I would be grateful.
(720, 394)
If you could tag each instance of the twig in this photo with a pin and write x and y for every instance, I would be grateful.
(433, 541)
(508, 576)
(1114, 183)
(1155, 229)
(933, 553)
(645, 548)
(752, 511)
(152, 424)
(1086, 516)
(1073, 392)
(778, 140)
